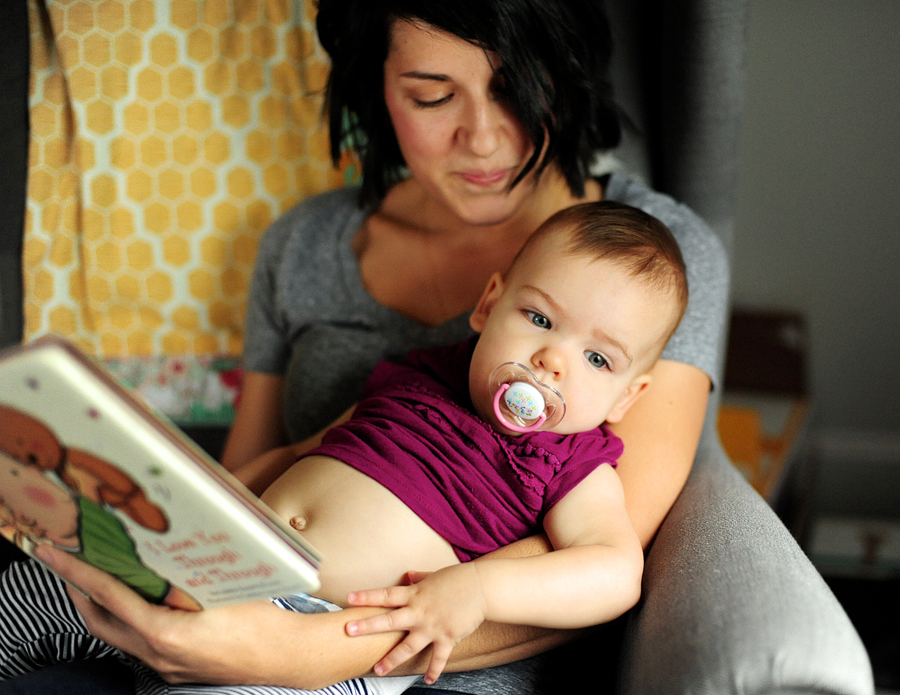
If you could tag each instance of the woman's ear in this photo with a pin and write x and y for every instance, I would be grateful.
(488, 299)
(634, 391)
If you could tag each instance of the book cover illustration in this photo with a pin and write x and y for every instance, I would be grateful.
(88, 468)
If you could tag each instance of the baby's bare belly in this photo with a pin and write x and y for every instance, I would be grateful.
(367, 536)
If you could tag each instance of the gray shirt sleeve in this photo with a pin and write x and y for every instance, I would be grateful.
(290, 268)
(701, 334)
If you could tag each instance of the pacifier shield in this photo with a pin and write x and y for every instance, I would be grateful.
(524, 400)
(522, 403)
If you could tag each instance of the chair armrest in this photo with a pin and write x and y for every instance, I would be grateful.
(732, 605)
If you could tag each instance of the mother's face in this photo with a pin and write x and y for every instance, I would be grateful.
(455, 129)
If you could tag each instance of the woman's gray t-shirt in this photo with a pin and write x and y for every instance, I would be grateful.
(311, 319)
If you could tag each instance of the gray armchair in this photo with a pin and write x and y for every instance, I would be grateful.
(730, 604)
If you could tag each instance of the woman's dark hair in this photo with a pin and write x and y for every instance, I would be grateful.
(555, 57)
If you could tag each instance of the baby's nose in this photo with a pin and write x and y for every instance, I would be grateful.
(551, 360)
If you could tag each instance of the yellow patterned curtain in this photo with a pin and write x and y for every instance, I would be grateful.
(166, 136)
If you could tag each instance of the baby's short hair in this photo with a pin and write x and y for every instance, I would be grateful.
(631, 238)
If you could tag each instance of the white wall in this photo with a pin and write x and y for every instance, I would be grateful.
(818, 223)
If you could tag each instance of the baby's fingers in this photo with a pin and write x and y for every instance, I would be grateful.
(440, 655)
(402, 653)
(393, 621)
(391, 597)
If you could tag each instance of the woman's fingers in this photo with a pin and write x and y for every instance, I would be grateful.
(110, 609)
(91, 585)
(104, 624)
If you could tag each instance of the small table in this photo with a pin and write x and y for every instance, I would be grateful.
(766, 437)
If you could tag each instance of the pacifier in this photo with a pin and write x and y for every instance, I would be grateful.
(522, 403)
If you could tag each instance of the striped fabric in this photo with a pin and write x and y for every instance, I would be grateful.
(40, 627)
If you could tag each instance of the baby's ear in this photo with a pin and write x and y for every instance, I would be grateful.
(634, 391)
(489, 298)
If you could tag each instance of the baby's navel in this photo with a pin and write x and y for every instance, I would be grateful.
(298, 522)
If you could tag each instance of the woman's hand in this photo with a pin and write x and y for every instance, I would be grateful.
(265, 469)
(158, 636)
(437, 609)
(253, 643)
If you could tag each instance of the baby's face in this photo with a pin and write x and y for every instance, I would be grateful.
(583, 326)
(39, 507)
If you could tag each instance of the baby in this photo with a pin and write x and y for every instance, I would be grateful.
(461, 450)
(457, 452)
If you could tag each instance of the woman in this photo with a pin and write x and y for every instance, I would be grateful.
(475, 121)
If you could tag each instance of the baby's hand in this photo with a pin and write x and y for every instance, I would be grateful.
(440, 610)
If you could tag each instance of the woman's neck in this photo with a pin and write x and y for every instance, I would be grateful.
(421, 260)
(410, 205)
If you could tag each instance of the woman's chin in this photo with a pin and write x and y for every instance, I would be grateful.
(485, 210)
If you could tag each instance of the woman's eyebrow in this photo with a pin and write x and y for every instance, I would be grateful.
(418, 75)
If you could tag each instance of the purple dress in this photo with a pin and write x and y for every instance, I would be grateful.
(415, 433)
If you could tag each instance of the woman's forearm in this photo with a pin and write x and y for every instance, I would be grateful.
(660, 433)
(494, 644)
(257, 427)
(260, 644)
(333, 656)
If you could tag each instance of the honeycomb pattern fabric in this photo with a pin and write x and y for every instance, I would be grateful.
(166, 136)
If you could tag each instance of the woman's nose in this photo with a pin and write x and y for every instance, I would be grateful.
(482, 127)
(550, 360)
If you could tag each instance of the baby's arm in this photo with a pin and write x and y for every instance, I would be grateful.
(592, 576)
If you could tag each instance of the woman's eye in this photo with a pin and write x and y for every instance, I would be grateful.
(537, 319)
(430, 104)
(596, 359)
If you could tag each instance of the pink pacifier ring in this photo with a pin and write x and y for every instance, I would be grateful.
(509, 425)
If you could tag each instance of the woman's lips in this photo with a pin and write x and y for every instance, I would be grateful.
(485, 179)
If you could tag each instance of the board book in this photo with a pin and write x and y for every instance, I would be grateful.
(89, 467)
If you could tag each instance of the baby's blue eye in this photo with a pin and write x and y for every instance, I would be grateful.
(537, 319)
(596, 359)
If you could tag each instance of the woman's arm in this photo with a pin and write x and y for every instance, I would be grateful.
(253, 643)
(258, 424)
(660, 431)
(264, 470)
(593, 576)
